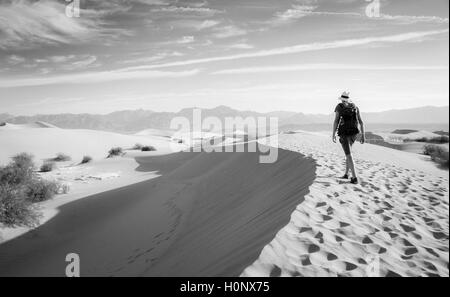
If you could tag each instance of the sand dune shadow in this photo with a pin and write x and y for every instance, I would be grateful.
(206, 215)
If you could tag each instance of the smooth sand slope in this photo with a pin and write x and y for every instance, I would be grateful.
(205, 215)
(45, 141)
(399, 214)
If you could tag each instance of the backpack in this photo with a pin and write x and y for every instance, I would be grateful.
(348, 124)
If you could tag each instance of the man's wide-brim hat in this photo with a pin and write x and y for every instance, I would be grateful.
(345, 96)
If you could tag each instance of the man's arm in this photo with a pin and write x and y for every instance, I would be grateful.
(363, 132)
(335, 125)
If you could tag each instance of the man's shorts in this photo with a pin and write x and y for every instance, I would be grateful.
(347, 141)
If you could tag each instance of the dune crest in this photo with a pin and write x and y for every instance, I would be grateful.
(397, 215)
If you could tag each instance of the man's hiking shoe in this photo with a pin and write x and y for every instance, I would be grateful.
(345, 176)
(354, 181)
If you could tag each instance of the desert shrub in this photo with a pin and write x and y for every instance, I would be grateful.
(86, 159)
(422, 139)
(438, 140)
(18, 171)
(15, 208)
(428, 150)
(137, 147)
(47, 166)
(114, 152)
(437, 154)
(20, 187)
(148, 149)
(61, 158)
(23, 160)
(40, 190)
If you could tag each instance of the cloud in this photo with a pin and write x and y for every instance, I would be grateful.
(307, 67)
(94, 77)
(242, 45)
(27, 24)
(153, 2)
(186, 40)
(207, 24)
(229, 31)
(300, 48)
(408, 19)
(15, 59)
(153, 58)
(298, 11)
(82, 62)
(64, 62)
(185, 10)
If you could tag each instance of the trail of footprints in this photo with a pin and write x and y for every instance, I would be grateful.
(397, 216)
(146, 256)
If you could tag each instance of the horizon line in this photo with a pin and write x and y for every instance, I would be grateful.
(216, 107)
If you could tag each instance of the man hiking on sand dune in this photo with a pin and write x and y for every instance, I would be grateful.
(346, 125)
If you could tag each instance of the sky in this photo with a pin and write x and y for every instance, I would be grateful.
(261, 55)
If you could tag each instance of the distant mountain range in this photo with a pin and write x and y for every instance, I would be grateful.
(130, 121)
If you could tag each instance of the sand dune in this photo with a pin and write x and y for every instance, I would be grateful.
(8, 126)
(46, 143)
(398, 138)
(155, 132)
(207, 214)
(398, 214)
(224, 214)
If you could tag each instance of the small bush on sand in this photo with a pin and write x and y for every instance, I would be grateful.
(19, 171)
(440, 139)
(148, 149)
(437, 139)
(15, 208)
(61, 158)
(86, 159)
(20, 187)
(47, 166)
(137, 147)
(41, 190)
(438, 154)
(428, 150)
(115, 152)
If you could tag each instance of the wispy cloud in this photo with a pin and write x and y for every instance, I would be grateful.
(15, 59)
(408, 19)
(152, 58)
(229, 31)
(295, 12)
(57, 62)
(186, 40)
(242, 45)
(26, 24)
(300, 48)
(94, 77)
(298, 11)
(308, 67)
(184, 10)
